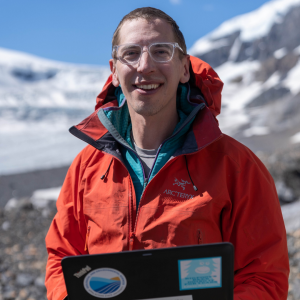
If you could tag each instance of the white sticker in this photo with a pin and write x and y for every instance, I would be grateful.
(189, 297)
(105, 283)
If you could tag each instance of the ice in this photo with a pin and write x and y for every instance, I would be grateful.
(40, 100)
(34, 150)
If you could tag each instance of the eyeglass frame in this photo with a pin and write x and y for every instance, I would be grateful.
(115, 50)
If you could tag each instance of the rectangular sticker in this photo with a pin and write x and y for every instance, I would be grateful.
(200, 273)
(189, 297)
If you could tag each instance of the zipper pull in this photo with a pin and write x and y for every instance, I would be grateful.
(86, 238)
(131, 240)
(199, 237)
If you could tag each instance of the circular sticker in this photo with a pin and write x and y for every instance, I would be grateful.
(105, 283)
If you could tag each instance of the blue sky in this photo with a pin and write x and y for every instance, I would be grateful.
(81, 31)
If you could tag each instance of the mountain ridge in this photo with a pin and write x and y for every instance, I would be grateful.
(257, 57)
(260, 67)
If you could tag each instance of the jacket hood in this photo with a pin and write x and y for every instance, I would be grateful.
(203, 78)
(204, 92)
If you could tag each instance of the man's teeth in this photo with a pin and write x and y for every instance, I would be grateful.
(148, 86)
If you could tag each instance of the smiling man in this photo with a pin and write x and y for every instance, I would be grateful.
(158, 172)
(149, 81)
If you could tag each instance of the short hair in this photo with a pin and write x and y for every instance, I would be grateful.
(150, 13)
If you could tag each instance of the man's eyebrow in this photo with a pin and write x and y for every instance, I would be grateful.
(130, 46)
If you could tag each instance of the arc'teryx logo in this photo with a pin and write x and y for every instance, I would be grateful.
(181, 183)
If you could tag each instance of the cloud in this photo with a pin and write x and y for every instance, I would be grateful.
(175, 2)
(208, 7)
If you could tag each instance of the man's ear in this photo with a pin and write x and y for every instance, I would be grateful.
(185, 75)
(115, 79)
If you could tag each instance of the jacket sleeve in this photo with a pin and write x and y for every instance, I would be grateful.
(254, 225)
(66, 235)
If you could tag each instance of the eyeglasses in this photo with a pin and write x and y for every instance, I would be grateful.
(130, 54)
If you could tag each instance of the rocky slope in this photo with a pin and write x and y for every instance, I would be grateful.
(257, 57)
(24, 225)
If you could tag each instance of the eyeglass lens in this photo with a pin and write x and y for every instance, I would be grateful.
(159, 52)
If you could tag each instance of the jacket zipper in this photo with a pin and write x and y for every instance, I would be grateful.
(132, 232)
(133, 227)
(145, 187)
(87, 238)
(131, 240)
(189, 118)
(199, 238)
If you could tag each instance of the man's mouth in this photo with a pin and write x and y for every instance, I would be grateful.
(153, 86)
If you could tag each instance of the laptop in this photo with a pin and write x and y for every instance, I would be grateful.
(178, 273)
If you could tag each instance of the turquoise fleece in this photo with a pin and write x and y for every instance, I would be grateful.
(120, 120)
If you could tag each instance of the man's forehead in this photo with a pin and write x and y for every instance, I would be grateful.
(145, 31)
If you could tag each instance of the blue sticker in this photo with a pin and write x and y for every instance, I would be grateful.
(105, 283)
(200, 273)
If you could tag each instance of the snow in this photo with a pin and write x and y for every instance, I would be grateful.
(272, 81)
(236, 96)
(252, 25)
(292, 80)
(234, 52)
(297, 50)
(11, 57)
(291, 213)
(205, 45)
(35, 114)
(40, 198)
(28, 150)
(240, 88)
(40, 100)
(280, 53)
(230, 70)
(256, 130)
(295, 138)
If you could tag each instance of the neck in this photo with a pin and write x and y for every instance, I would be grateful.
(149, 132)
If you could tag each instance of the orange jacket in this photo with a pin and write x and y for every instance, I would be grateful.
(236, 201)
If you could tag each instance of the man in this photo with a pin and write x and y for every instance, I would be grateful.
(158, 172)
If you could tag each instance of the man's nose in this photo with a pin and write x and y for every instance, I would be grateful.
(146, 63)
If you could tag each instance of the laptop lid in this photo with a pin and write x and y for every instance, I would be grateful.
(178, 273)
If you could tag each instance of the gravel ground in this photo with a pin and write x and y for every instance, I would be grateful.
(23, 254)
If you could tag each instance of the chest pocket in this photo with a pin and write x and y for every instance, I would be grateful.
(105, 206)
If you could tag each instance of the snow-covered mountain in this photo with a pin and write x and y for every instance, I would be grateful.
(39, 100)
(257, 57)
